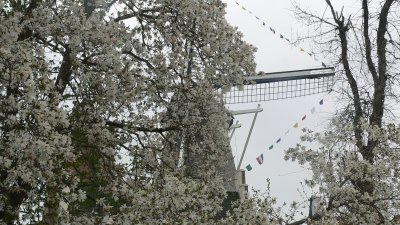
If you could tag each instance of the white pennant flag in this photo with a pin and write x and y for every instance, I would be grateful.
(313, 110)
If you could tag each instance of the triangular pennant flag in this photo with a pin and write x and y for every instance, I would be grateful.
(273, 31)
(310, 54)
(263, 23)
(304, 117)
(260, 159)
(313, 110)
(248, 167)
(321, 102)
(280, 35)
(301, 49)
(243, 8)
(279, 140)
(271, 147)
(237, 3)
(323, 64)
(296, 125)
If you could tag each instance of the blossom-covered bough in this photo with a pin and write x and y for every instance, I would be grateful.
(94, 97)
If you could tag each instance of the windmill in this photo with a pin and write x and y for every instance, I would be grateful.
(268, 87)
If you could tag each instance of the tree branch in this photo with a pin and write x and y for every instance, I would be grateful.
(139, 58)
(343, 28)
(368, 50)
(144, 129)
(65, 71)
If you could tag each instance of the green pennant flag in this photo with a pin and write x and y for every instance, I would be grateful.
(249, 168)
(271, 147)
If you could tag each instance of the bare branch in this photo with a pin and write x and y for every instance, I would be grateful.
(368, 50)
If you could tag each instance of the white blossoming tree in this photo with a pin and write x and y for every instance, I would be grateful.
(109, 112)
(356, 168)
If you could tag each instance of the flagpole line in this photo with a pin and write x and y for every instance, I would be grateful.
(310, 53)
(277, 142)
(285, 174)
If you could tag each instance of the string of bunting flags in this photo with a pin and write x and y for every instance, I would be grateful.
(271, 29)
(260, 158)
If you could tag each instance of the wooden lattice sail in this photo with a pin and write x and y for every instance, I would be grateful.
(281, 85)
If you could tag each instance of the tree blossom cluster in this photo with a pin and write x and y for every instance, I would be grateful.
(110, 111)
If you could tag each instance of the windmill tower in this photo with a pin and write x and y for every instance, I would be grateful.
(268, 87)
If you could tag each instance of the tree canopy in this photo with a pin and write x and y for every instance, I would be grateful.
(109, 112)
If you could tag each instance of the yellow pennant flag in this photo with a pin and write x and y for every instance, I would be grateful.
(296, 125)
(301, 49)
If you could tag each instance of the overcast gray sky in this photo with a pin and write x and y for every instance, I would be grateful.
(275, 54)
